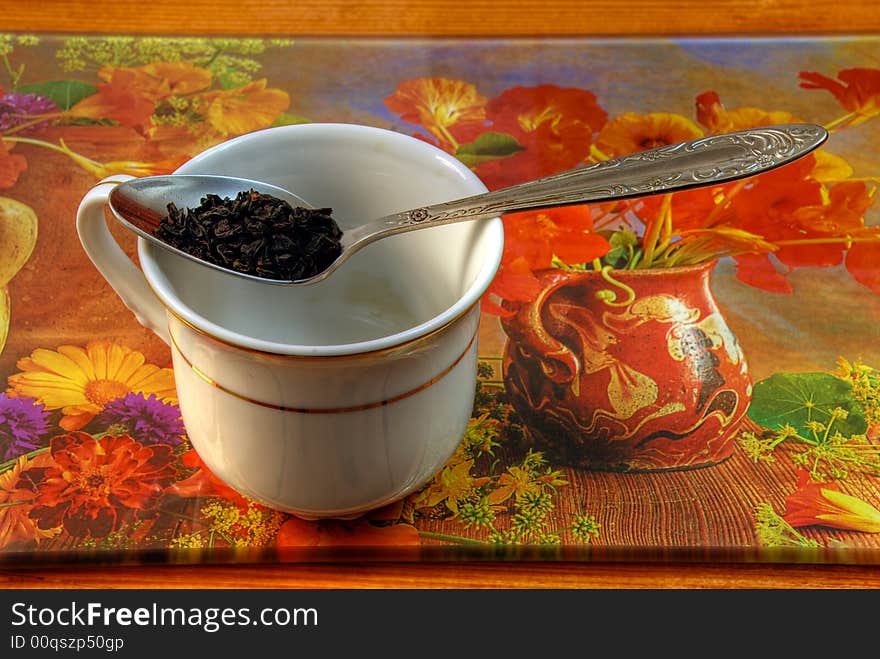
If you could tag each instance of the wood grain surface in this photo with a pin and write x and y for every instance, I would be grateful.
(440, 17)
(419, 18)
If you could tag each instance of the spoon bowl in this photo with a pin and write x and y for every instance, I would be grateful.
(141, 204)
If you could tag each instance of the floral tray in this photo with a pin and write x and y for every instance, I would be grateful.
(677, 376)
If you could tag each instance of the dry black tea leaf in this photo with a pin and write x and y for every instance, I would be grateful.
(256, 234)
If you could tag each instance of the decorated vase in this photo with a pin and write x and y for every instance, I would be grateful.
(626, 370)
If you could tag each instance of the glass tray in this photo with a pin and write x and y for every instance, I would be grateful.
(788, 471)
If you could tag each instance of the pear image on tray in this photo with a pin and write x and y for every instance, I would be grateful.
(18, 236)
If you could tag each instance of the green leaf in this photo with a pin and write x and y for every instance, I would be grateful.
(285, 119)
(64, 93)
(488, 146)
(797, 398)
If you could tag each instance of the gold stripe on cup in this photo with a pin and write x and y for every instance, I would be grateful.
(330, 410)
(366, 353)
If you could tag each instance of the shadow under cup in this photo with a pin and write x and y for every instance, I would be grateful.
(335, 398)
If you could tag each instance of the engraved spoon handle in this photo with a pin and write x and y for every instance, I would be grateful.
(705, 161)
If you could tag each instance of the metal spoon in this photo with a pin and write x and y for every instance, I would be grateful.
(140, 204)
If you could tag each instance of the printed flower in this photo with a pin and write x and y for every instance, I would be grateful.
(146, 418)
(451, 485)
(17, 492)
(823, 504)
(17, 109)
(81, 381)
(632, 132)
(690, 209)
(251, 526)
(96, 485)
(451, 110)
(245, 109)
(22, 422)
(533, 240)
(861, 262)
(787, 206)
(11, 165)
(857, 90)
(555, 125)
(203, 483)
(130, 96)
(130, 167)
(359, 532)
(716, 119)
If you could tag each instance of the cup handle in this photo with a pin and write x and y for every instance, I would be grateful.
(113, 263)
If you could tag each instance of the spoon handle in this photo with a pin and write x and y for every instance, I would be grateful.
(702, 162)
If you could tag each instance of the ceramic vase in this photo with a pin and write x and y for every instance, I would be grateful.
(626, 370)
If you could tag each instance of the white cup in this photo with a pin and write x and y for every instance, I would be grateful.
(331, 399)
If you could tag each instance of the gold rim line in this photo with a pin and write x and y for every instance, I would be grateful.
(331, 410)
(366, 353)
(320, 358)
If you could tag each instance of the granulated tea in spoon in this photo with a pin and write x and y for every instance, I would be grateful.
(256, 234)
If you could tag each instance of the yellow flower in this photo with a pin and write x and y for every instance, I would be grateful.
(515, 481)
(451, 485)
(81, 381)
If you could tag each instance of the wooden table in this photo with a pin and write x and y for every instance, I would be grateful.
(425, 18)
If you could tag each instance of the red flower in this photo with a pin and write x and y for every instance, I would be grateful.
(562, 232)
(532, 240)
(554, 124)
(203, 483)
(858, 90)
(823, 504)
(863, 263)
(758, 270)
(95, 485)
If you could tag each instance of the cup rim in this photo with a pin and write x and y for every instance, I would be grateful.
(494, 238)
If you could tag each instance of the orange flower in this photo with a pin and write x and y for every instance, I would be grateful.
(451, 110)
(16, 501)
(555, 125)
(244, 109)
(203, 483)
(11, 166)
(359, 532)
(823, 504)
(172, 78)
(858, 90)
(632, 132)
(96, 485)
(716, 119)
(130, 95)
(129, 98)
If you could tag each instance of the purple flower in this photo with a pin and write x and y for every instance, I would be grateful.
(22, 422)
(18, 108)
(148, 420)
